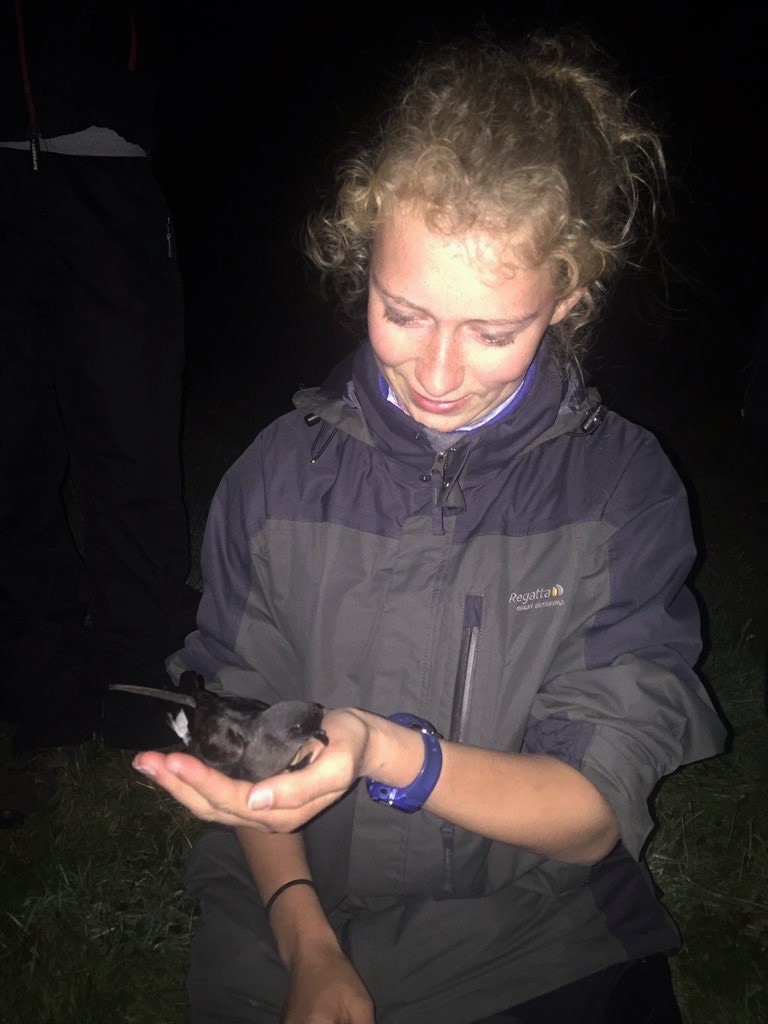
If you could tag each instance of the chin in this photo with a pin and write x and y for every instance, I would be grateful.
(442, 424)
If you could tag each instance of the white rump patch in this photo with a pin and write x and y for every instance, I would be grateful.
(180, 725)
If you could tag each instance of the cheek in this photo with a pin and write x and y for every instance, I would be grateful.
(383, 346)
(370, 313)
(497, 369)
(377, 332)
(503, 365)
(388, 343)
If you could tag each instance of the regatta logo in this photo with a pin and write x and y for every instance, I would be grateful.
(542, 597)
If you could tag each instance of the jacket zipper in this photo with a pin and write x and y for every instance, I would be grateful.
(462, 699)
(437, 476)
(441, 487)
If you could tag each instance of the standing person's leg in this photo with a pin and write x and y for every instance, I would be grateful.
(121, 385)
(43, 689)
(755, 410)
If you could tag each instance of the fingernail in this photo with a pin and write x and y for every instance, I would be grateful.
(260, 799)
(144, 771)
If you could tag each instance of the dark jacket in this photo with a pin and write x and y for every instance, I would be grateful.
(346, 563)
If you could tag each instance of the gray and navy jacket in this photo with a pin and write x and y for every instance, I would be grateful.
(524, 591)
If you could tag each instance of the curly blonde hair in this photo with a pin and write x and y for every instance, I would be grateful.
(536, 140)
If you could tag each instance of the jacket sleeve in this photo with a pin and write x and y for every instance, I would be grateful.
(621, 701)
(234, 620)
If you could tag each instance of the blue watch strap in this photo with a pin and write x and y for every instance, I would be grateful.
(412, 798)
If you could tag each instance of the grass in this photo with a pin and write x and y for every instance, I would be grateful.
(95, 924)
(710, 852)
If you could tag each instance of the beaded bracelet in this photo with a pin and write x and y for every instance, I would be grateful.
(282, 888)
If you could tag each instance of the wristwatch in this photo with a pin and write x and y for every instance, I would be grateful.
(412, 798)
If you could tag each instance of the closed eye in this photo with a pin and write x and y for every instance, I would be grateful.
(496, 339)
(392, 316)
(399, 319)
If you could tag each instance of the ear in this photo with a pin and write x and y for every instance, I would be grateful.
(566, 304)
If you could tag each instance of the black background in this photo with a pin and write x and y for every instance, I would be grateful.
(258, 103)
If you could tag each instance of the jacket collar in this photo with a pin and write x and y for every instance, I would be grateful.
(351, 400)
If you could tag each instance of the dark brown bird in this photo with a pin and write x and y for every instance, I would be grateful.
(239, 736)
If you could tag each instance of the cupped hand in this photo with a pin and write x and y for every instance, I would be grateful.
(280, 804)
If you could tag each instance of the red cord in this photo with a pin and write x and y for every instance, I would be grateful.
(24, 67)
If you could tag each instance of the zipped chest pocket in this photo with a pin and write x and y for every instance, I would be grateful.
(462, 701)
(465, 670)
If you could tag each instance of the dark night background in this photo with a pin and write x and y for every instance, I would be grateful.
(259, 101)
(255, 105)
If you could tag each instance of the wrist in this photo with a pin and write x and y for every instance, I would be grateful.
(301, 929)
(309, 945)
(411, 795)
(392, 753)
(290, 884)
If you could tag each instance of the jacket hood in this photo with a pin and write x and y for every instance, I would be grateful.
(351, 400)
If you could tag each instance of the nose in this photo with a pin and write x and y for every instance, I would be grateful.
(439, 368)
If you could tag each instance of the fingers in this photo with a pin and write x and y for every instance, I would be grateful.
(282, 803)
(207, 793)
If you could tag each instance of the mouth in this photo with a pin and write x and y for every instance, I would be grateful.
(438, 407)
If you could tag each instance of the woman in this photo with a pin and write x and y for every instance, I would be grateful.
(453, 528)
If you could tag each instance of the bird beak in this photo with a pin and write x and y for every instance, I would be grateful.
(321, 735)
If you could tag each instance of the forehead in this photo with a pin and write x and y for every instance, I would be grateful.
(414, 225)
(415, 260)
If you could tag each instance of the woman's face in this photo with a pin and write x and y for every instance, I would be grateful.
(454, 329)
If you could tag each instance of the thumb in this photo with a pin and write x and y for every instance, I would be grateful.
(326, 778)
(261, 798)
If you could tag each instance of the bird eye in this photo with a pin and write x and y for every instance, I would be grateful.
(296, 730)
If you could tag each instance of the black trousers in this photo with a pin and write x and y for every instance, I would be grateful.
(91, 357)
(638, 992)
(236, 975)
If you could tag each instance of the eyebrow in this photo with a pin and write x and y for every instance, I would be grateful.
(400, 300)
